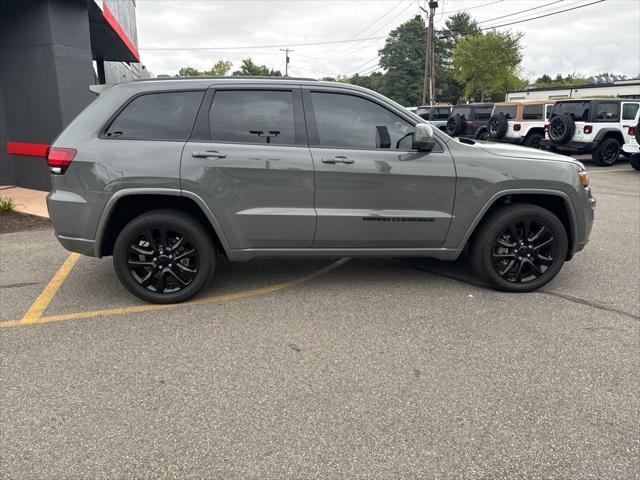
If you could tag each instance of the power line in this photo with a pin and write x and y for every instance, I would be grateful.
(521, 11)
(374, 59)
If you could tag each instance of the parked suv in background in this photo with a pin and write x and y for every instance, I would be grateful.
(470, 121)
(521, 122)
(598, 126)
(167, 174)
(436, 115)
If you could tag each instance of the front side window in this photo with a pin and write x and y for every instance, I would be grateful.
(157, 116)
(508, 111)
(532, 112)
(354, 122)
(252, 116)
(483, 113)
(607, 112)
(629, 111)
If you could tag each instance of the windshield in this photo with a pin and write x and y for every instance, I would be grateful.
(577, 110)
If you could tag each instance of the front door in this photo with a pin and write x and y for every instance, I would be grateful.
(253, 168)
(372, 189)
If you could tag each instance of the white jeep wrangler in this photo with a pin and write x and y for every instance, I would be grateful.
(632, 147)
(599, 126)
(521, 122)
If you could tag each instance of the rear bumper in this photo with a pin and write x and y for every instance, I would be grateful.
(631, 148)
(572, 146)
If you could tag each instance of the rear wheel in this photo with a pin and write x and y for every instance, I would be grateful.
(607, 152)
(483, 135)
(634, 161)
(519, 248)
(533, 140)
(164, 256)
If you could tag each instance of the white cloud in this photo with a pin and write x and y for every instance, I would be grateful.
(590, 40)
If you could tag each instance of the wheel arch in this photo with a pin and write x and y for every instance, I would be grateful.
(557, 202)
(609, 132)
(125, 205)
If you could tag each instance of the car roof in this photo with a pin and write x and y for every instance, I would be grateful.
(486, 104)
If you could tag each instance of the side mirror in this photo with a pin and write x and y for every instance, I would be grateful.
(423, 138)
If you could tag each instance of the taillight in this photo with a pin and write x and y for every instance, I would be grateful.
(587, 129)
(632, 131)
(468, 127)
(59, 159)
(516, 127)
(546, 127)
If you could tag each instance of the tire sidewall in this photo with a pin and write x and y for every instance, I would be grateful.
(177, 221)
(529, 140)
(496, 225)
(599, 160)
(569, 129)
(497, 126)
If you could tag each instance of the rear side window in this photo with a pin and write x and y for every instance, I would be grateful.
(578, 110)
(532, 112)
(157, 116)
(607, 112)
(482, 113)
(508, 111)
(629, 111)
(252, 116)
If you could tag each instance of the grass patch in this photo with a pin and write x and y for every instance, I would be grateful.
(6, 205)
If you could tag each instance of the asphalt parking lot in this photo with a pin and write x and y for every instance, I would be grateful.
(361, 368)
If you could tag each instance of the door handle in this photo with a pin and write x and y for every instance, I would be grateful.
(209, 154)
(338, 159)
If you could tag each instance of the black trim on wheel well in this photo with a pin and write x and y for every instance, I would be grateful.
(131, 206)
(554, 203)
(609, 132)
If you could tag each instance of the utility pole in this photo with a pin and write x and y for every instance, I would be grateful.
(286, 62)
(429, 84)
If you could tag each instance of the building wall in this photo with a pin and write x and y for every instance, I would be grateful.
(624, 89)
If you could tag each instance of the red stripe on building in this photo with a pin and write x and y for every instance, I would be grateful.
(22, 148)
(111, 20)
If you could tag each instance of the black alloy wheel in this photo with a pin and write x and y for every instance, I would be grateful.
(561, 129)
(524, 251)
(607, 152)
(162, 260)
(519, 247)
(164, 256)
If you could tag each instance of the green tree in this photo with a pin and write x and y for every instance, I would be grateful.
(189, 72)
(248, 67)
(559, 81)
(219, 69)
(403, 58)
(482, 62)
(372, 81)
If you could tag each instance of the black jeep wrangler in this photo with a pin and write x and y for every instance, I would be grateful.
(470, 121)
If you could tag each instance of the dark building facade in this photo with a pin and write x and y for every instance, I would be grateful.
(51, 51)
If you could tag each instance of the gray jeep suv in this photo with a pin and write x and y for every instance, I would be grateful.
(167, 174)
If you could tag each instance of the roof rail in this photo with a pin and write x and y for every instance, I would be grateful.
(239, 77)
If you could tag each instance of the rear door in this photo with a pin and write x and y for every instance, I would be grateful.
(249, 160)
(630, 114)
(371, 189)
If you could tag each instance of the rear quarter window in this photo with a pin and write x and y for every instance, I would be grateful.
(157, 116)
(482, 113)
(462, 111)
(508, 111)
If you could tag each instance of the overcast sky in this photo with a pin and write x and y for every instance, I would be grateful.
(604, 37)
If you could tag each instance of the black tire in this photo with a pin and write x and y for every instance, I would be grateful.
(164, 250)
(634, 161)
(561, 129)
(483, 134)
(493, 249)
(606, 152)
(497, 126)
(533, 140)
(455, 124)
(638, 132)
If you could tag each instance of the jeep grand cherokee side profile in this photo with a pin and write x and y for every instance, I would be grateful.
(165, 175)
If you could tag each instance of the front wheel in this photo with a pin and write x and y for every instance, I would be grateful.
(533, 140)
(634, 160)
(164, 256)
(519, 248)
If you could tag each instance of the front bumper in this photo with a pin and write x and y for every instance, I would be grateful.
(589, 217)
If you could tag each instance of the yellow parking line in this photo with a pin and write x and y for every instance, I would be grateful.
(44, 299)
(153, 307)
(611, 171)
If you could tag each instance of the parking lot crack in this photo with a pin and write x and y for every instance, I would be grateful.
(589, 303)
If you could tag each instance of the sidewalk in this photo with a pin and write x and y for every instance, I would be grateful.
(26, 200)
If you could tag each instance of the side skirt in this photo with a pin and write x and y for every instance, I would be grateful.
(243, 255)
